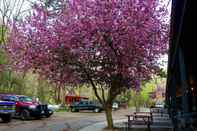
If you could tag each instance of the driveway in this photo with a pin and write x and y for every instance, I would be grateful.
(61, 121)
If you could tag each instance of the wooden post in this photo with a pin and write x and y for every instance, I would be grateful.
(183, 80)
(173, 105)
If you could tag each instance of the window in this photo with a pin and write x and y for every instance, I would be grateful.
(9, 98)
(25, 99)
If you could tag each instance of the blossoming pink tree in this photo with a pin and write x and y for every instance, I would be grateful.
(111, 45)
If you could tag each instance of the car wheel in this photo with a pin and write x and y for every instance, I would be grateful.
(6, 118)
(25, 115)
(48, 115)
(96, 110)
(38, 118)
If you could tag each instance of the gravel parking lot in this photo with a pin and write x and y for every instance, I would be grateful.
(61, 121)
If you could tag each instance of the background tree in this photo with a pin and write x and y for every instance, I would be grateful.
(9, 10)
(110, 45)
(11, 81)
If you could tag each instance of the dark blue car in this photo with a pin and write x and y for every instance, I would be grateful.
(7, 110)
(86, 105)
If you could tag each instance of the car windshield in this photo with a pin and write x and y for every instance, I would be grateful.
(9, 98)
(25, 99)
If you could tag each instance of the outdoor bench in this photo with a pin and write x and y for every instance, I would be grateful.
(160, 111)
(140, 118)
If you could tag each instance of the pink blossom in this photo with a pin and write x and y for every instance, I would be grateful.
(103, 38)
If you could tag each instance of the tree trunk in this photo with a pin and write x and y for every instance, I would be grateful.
(108, 113)
(59, 95)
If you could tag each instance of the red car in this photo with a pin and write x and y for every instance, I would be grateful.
(27, 108)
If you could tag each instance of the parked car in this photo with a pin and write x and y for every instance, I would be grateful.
(86, 105)
(54, 107)
(159, 105)
(7, 110)
(27, 108)
(115, 106)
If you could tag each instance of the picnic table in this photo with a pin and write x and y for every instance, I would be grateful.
(140, 118)
(157, 110)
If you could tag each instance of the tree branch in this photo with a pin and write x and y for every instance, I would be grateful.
(116, 51)
(110, 43)
(93, 85)
(103, 94)
(112, 95)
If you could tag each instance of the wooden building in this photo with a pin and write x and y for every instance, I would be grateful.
(181, 90)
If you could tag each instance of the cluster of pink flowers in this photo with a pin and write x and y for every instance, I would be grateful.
(101, 38)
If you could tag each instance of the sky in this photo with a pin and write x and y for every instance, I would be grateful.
(26, 5)
(12, 8)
